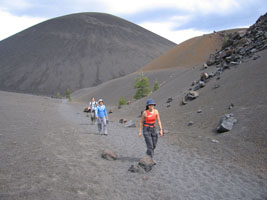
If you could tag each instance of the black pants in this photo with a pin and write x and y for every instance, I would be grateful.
(151, 139)
(92, 116)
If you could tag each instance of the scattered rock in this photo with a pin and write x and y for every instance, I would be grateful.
(235, 63)
(144, 165)
(190, 123)
(122, 121)
(192, 95)
(216, 86)
(226, 123)
(256, 57)
(204, 76)
(169, 100)
(109, 155)
(231, 106)
(130, 124)
(241, 44)
(211, 60)
(199, 111)
(200, 84)
(194, 83)
(136, 169)
(184, 102)
(205, 66)
(214, 141)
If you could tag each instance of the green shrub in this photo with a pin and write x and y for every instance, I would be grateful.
(142, 85)
(122, 101)
(58, 95)
(156, 86)
(68, 94)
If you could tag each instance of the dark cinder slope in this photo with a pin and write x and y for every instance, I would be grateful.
(75, 51)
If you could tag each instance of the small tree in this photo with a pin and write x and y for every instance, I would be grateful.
(122, 101)
(68, 94)
(142, 85)
(58, 95)
(156, 86)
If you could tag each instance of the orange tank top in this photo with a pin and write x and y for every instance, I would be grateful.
(150, 119)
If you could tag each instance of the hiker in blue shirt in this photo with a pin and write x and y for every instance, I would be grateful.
(102, 117)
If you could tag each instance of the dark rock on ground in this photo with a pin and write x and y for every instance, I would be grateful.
(190, 123)
(144, 165)
(169, 100)
(130, 124)
(109, 155)
(226, 123)
(122, 121)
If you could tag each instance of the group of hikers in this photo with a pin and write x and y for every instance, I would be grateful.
(147, 123)
(98, 112)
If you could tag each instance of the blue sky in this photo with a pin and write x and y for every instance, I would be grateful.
(176, 20)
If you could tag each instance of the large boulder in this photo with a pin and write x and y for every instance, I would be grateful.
(211, 60)
(145, 164)
(109, 155)
(226, 123)
(192, 95)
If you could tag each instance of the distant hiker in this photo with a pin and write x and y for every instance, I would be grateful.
(102, 117)
(92, 107)
(148, 120)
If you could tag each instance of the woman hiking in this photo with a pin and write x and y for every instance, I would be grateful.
(149, 117)
(102, 117)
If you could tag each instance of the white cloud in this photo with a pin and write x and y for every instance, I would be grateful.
(15, 4)
(11, 24)
(203, 6)
(166, 30)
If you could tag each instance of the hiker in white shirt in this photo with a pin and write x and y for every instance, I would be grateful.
(92, 106)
